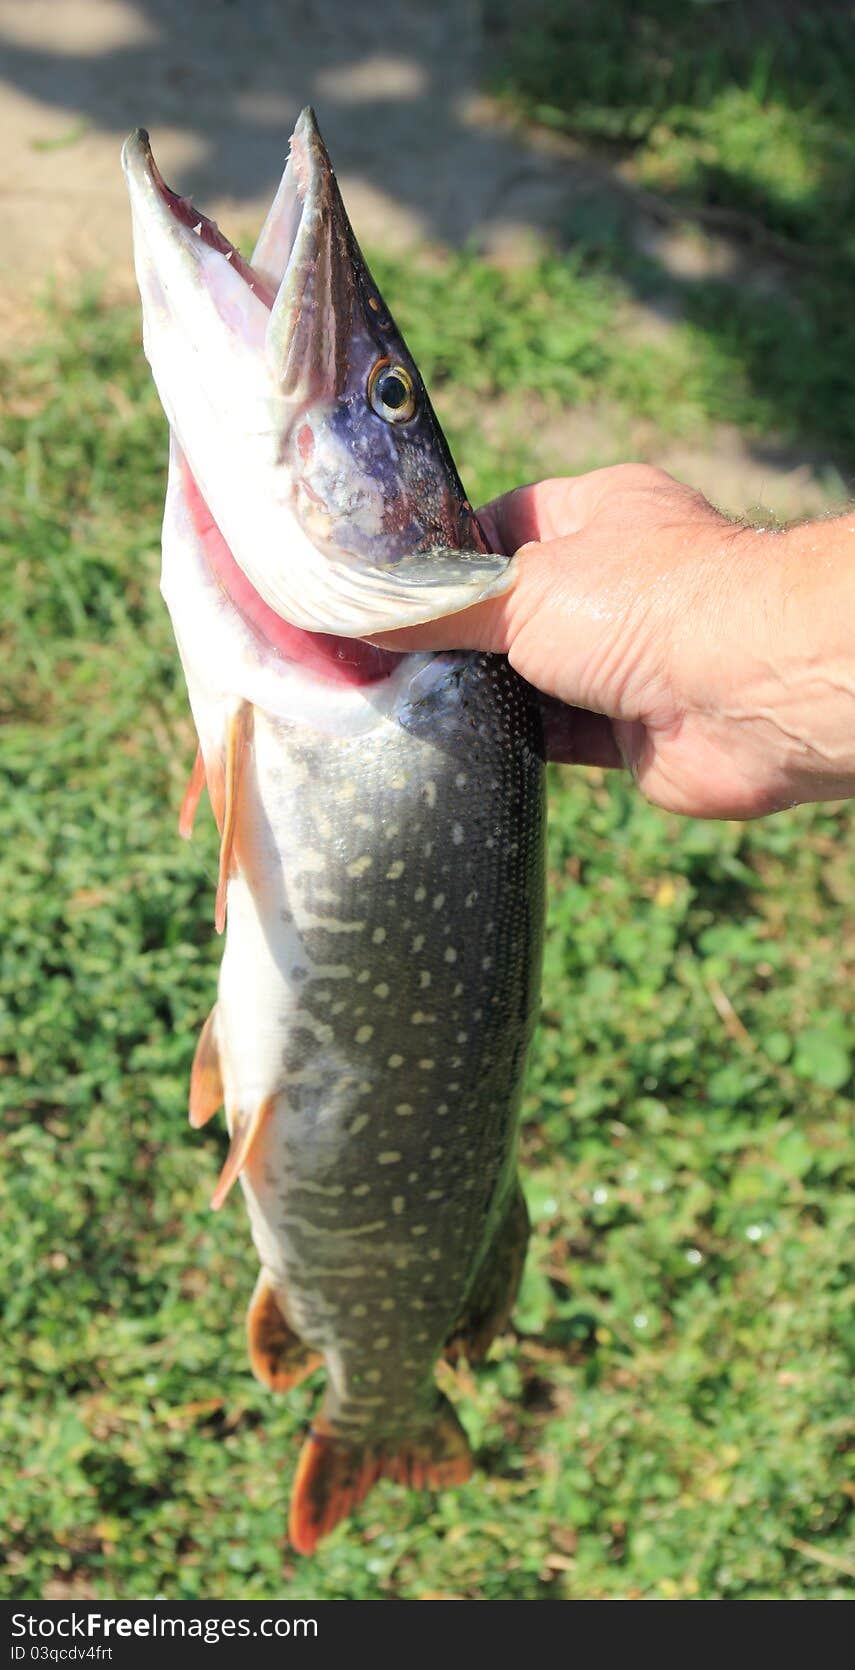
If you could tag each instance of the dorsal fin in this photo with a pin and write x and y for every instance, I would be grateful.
(244, 1133)
(237, 744)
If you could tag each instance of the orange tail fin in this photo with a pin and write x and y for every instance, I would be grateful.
(333, 1477)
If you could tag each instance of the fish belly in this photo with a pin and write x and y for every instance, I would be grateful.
(378, 993)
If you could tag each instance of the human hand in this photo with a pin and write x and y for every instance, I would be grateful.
(709, 657)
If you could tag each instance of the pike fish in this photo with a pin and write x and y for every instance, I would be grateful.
(381, 820)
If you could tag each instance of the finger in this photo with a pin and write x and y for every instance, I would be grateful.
(483, 626)
(512, 519)
(543, 510)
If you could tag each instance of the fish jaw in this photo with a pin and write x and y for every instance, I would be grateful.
(341, 521)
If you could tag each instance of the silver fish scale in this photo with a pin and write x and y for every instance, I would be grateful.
(389, 1162)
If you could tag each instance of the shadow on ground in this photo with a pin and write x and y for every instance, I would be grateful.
(713, 228)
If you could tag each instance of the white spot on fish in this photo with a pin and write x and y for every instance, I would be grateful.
(360, 865)
(389, 1157)
(427, 1064)
(425, 979)
(381, 1343)
(398, 1205)
(461, 780)
(418, 1229)
(417, 943)
(378, 936)
(362, 1189)
(363, 1034)
(430, 793)
(358, 1310)
(457, 833)
(439, 901)
(450, 954)
(404, 1109)
(395, 870)
(395, 1061)
(332, 925)
(382, 990)
(471, 898)
(436, 1153)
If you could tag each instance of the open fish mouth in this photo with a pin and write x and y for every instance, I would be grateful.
(340, 507)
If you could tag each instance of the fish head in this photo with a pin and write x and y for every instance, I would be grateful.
(299, 410)
(371, 471)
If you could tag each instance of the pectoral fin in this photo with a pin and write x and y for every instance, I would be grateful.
(237, 746)
(245, 1130)
(187, 815)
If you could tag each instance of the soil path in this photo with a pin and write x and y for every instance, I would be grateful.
(421, 153)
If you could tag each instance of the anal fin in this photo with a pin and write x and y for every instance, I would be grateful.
(237, 746)
(206, 1080)
(245, 1130)
(491, 1298)
(333, 1476)
(278, 1357)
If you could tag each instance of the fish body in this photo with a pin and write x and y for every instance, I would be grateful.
(382, 822)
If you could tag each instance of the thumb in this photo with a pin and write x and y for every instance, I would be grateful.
(483, 626)
(508, 522)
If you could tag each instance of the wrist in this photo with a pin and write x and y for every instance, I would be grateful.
(796, 694)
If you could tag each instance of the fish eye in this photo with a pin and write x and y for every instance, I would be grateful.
(391, 392)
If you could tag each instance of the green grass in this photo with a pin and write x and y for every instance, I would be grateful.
(742, 104)
(667, 1418)
(731, 117)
